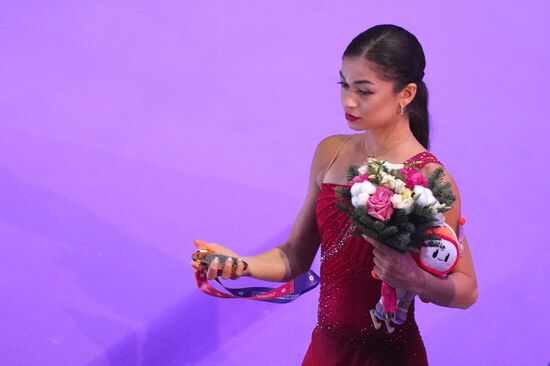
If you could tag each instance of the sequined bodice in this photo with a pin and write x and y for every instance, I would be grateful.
(348, 291)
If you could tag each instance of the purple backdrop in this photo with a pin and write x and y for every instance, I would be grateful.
(129, 129)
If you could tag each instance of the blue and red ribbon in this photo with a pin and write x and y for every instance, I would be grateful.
(283, 294)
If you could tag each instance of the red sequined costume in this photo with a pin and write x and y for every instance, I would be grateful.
(344, 334)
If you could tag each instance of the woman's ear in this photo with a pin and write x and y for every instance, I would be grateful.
(406, 95)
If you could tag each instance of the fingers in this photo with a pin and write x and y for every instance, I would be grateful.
(195, 264)
(239, 270)
(379, 253)
(380, 248)
(230, 269)
(213, 268)
(201, 244)
(369, 239)
(375, 243)
(227, 268)
(377, 272)
(378, 265)
(233, 270)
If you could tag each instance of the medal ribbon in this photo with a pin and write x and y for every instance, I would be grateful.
(283, 294)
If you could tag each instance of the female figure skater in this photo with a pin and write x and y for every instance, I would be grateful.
(385, 100)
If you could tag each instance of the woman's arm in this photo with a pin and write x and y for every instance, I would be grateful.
(457, 290)
(297, 253)
(295, 256)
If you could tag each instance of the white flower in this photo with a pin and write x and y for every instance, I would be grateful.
(368, 187)
(388, 180)
(360, 200)
(363, 198)
(360, 193)
(399, 186)
(362, 187)
(423, 196)
(363, 169)
(393, 166)
(399, 202)
(385, 175)
(438, 207)
(374, 161)
(441, 206)
(355, 189)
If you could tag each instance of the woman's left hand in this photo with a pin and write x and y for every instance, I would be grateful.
(398, 270)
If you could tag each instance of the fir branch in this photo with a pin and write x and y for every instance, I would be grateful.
(343, 193)
(436, 178)
(353, 172)
(441, 191)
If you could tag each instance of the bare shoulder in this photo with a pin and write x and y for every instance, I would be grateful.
(331, 143)
(325, 151)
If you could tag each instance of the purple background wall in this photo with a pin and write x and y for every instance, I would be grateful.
(129, 129)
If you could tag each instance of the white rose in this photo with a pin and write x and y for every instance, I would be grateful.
(423, 196)
(399, 202)
(355, 201)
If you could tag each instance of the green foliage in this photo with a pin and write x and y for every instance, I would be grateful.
(403, 232)
(342, 193)
(352, 172)
(441, 191)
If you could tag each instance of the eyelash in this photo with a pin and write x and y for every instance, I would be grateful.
(362, 92)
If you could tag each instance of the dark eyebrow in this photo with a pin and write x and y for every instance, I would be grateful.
(357, 81)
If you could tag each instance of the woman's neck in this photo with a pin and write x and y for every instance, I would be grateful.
(389, 138)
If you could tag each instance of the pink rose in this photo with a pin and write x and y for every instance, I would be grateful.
(358, 179)
(414, 178)
(379, 203)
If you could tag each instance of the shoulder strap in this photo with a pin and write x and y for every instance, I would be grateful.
(335, 156)
(420, 160)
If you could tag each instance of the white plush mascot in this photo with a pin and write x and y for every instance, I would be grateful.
(438, 260)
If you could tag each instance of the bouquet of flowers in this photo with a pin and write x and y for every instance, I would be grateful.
(398, 207)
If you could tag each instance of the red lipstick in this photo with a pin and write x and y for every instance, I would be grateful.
(351, 117)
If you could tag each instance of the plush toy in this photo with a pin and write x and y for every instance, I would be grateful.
(442, 259)
(439, 260)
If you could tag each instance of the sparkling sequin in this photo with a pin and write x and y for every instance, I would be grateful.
(420, 160)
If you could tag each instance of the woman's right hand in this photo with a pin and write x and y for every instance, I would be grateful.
(212, 271)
